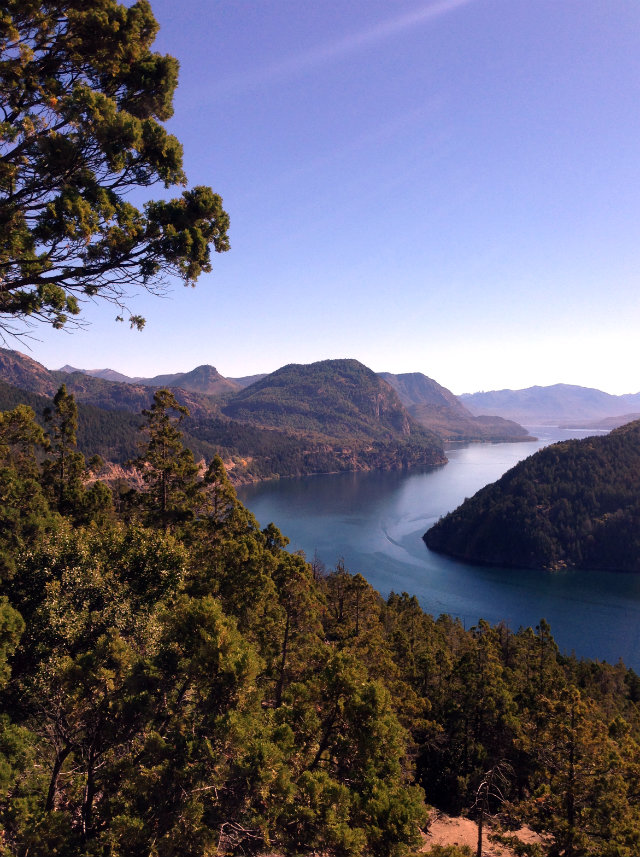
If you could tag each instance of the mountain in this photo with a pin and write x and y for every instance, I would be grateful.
(574, 504)
(340, 439)
(202, 379)
(336, 398)
(341, 402)
(106, 374)
(559, 403)
(438, 410)
(23, 372)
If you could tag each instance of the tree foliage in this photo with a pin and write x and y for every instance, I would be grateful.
(166, 465)
(573, 504)
(183, 685)
(82, 99)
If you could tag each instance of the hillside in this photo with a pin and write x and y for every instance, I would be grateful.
(26, 374)
(574, 504)
(253, 449)
(343, 403)
(553, 405)
(21, 371)
(438, 410)
(110, 434)
(336, 398)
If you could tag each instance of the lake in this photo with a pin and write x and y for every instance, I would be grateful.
(374, 523)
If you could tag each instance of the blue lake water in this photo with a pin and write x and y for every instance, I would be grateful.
(374, 522)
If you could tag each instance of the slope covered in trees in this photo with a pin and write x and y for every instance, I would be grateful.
(359, 425)
(437, 409)
(573, 504)
(176, 683)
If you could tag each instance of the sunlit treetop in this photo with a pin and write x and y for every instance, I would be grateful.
(82, 98)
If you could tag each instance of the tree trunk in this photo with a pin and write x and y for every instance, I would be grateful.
(53, 783)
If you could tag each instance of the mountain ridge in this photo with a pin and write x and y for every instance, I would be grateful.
(429, 403)
(540, 405)
(203, 379)
(438, 409)
(252, 448)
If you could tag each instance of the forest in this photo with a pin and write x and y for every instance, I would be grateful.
(176, 683)
(571, 505)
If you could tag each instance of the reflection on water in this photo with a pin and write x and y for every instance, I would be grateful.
(375, 522)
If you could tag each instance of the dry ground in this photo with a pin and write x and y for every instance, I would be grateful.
(445, 830)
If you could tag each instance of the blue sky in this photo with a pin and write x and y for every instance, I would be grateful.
(446, 187)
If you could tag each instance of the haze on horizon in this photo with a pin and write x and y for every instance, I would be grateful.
(446, 187)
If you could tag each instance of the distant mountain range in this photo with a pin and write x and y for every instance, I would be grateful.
(437, 409)
(555, 405)
(202, 379)
(323, 417)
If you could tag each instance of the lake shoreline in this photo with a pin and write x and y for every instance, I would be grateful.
(374, 521)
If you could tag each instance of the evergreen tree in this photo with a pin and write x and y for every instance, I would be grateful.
(65, 466)
(64, 472)
(24, 510)
(167, 467)
(83, 98)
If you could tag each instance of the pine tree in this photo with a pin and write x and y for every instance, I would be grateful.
(64, 469)
(83, 98)
(167, 467)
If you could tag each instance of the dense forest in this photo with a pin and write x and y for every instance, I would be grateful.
(176, 683)
(574, 504)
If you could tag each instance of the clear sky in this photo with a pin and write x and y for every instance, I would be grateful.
(448, 187)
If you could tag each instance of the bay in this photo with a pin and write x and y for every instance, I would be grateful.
(374, 522)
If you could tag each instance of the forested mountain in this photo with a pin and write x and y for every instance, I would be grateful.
(438, 410)
(342, 403)
(174, 683)
(574, 504)
(337, 398)
(559, 403)
(342, 431)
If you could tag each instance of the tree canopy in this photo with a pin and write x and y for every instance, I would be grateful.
(82, 99)
(573, 504)
(177, 684)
